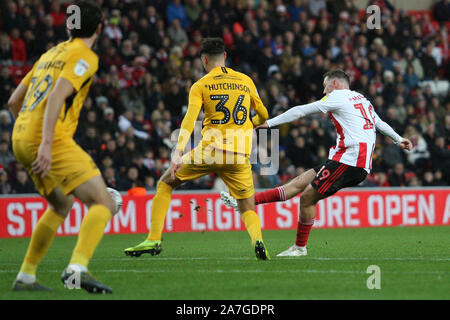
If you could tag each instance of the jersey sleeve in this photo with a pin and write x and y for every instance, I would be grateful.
(293, 114)
(79, 68)
(188, 123)
(328, 103)
(256, 104)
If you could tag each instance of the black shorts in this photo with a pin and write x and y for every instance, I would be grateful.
(333, 176)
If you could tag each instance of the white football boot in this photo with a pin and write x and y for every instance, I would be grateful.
(229, 200)
(294, 251)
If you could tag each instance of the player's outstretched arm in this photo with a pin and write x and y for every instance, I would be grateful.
(63, 89)
(293, 114)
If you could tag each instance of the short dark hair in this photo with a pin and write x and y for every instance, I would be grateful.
(337, 73)
(212, 46)
(91, 17)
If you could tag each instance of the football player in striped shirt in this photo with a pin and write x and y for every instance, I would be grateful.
(348, 162)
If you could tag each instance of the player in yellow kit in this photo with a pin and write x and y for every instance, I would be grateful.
(226, 97)
(47, 105)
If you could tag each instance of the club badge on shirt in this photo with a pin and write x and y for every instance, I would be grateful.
(81, 67)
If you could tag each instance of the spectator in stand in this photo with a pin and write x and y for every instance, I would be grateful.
(391, 154)
(150, 184)
(23, 183)
(428, 179)
(397, 177)
(112, 29)
(5, 186)
(439, 179)
(6, 155)
(429, 64)
(6, 124)
(91, 142)
(440, 156)
(410, 61)
(177, 35)
(19, 52)
(316, 6)
(294, 9)
(193, 10)
(11, 17)
(419, 154)
(442, 10)
(125, 125)
(175, 10)
(108, 123)
(131, 177)
(109, 174)
(301, 154)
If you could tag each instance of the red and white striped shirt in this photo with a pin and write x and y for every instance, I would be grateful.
(356, 123)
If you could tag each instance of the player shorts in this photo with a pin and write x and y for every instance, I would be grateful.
(71, 165)
(235, 171)
(333, 176)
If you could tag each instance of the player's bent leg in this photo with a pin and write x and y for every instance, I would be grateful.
(308, 201)
(253, 226)
(160, 205)
(281, 193)
(298, 184)
(94, 194)
(41, 240)
(286, 191)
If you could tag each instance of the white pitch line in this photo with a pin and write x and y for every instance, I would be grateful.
(242, 271)
(277, 259)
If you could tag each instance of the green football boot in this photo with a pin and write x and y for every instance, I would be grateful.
(261, 251)
(148, 246)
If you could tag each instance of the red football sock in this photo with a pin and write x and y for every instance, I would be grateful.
(272, 195)
(303, 229)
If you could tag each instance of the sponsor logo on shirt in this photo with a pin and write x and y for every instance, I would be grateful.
(81, 67)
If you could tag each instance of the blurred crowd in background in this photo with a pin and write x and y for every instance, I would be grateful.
(148, 53)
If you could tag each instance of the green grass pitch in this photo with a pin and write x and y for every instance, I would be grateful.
(414, 264)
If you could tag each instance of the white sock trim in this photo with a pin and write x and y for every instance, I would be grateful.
(76, 267)
(282, 193)
(26, 277)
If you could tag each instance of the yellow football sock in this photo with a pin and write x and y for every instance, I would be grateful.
(91, 232)
(160, 205)
(41, 239)
(253, 225)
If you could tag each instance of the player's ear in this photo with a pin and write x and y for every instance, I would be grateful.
(224, 55)
(204, 59)
(335, 83)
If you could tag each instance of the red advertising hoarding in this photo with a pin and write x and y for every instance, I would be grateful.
(194, 212)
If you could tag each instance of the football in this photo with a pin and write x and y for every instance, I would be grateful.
(116, 197)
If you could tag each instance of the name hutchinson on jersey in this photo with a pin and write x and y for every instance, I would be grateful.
(228, 86)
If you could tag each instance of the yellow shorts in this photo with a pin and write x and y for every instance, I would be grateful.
(234, 169)
(71, 165)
